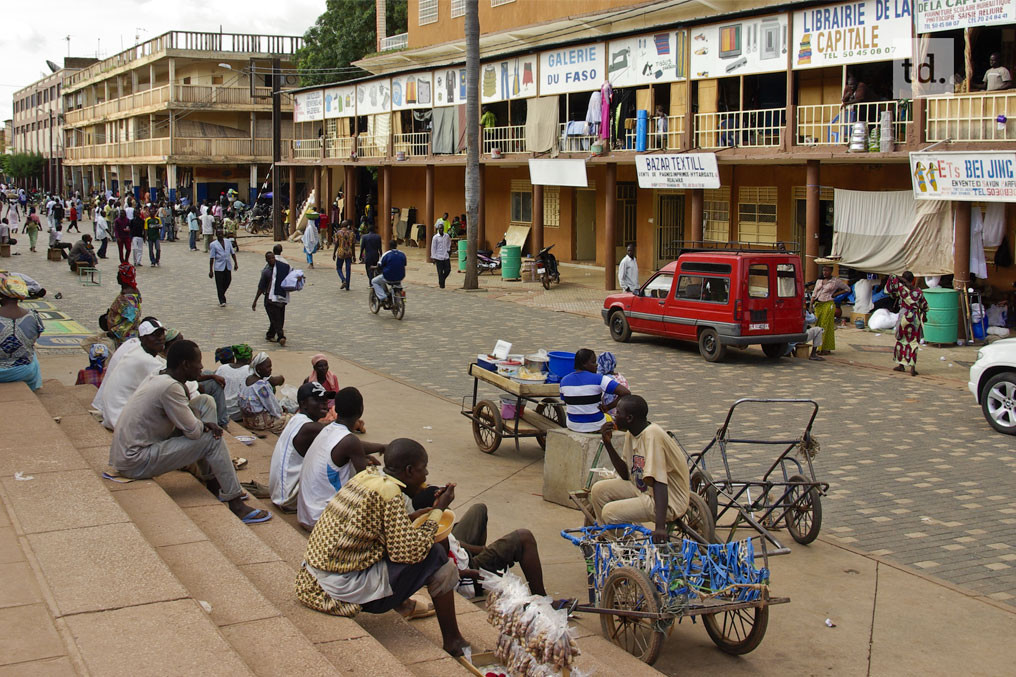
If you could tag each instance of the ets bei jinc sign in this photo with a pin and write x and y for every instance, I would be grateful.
(574, 69)
(969, 177)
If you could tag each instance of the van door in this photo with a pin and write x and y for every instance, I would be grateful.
(789, 307)
(758, 302)
(647, 308)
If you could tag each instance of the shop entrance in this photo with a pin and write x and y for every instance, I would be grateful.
(585, 225)
(825, 220)
(669, 228)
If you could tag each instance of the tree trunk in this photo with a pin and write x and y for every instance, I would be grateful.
(472, 138)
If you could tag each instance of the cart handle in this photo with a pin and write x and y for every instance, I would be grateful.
(769, 400)
(599, 528)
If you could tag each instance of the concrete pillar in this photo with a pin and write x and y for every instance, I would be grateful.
(386, 205)
(194, 185)
(171, 182)
(105, 178)
(349, 191)
(537, 219)
(481, 210)
(697, 228)
(172, 77)
(610, 228)
(254, 186)
(292, 200)
(153, 194)
(136, 182)
(812, 216)
(326, 188)
(428, 211)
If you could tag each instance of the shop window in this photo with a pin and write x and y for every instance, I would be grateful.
(551, 207)
(498, 3)
(756, 214)
(522, 204)
(427, 12)
(522, 207)
(458, 8)
(216, 79)
(716, 215)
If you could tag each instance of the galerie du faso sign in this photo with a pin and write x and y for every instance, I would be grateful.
(572, 69)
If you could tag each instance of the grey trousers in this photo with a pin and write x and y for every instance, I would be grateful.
(177, 452)
(211, 387)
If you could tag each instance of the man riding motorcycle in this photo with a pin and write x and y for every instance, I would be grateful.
(393, 270)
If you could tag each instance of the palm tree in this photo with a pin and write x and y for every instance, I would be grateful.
(472, 138)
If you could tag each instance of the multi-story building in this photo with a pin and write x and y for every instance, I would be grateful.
(38, 120)
(188, 114)
(758, 87)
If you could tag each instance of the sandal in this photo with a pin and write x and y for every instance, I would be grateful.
(420, 609)
(239, 462)
(256, 517)
(256, 489)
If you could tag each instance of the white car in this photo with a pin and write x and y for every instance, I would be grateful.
(993, 383)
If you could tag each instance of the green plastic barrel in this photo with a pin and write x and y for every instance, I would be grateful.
(943, 315)
(511, 262)
(463, 246)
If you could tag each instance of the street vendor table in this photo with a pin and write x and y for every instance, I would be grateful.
(489, 428)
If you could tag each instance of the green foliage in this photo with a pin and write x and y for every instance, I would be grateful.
(344, 33)
(23, 165)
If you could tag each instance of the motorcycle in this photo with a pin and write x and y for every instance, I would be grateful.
(547, 267)
(486, 261)
(395, 298)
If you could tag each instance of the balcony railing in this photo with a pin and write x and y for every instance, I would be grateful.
(505, 139)
(414, 144)
(372, 146)
(393, 42)
(831, 125)
(207, 148)
(184, 95)
(671, 139)
(144, 148)
(306, 149)
(575, 136)
(339, 147)
(747, 129)
(972, 117)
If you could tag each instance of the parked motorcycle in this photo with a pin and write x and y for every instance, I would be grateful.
(395, 298)
(547, 267)
(486, 261)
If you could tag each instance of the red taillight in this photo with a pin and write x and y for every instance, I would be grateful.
(403, 292)
(737, 310)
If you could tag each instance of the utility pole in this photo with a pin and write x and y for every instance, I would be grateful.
(277, 225)
(472, 139)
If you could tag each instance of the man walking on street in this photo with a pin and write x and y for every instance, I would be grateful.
(276, 298)
(344, 252)
(137, 237)
(440, 245)
(153, 230)
(370, 249)
(628, 271)
(101, 232)
(207, 229)
(221, 264)
(193, 227)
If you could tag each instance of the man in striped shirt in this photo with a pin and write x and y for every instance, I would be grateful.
(582, 392)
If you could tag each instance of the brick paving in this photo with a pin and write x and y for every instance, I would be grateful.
(916, 474)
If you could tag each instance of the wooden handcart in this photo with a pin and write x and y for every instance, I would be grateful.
(489, 428)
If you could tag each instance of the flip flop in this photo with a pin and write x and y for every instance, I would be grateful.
(421, 609)
(239, 462)
(115, 476)
(256, 517)
(256, 489)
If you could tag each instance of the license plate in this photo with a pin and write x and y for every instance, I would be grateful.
(762, 326)
(541, 271)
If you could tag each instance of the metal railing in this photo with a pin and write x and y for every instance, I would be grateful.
(972, 117)
(671, 139)
(413, 144)
(201, 96)
(830, 124)
(339, 147)
(575, 137)
(393, 42)
(204, 147)
(505, 139)
(748, 129)
(372, 146)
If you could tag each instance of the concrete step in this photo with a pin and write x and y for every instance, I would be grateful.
(80, 580)
(187, 525)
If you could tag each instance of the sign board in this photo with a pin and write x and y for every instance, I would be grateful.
(648, 59)
(569, 69)
(449, 86)
(558, 173)
(412, 91)
(944, 15)
(307, 106)
(970, 177)
(740, 47)
(340, 102)
(373, 97)
(852, 32)
(508, 79)
(677, 172)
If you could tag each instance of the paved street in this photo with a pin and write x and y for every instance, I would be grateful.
(916, 474)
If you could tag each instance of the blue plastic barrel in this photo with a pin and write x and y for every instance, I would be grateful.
(641, 130)
(561, 363)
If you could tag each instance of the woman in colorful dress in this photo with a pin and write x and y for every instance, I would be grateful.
(826, 287)
(124, 316)
(19, 330)
(259, 407)
(913, 313)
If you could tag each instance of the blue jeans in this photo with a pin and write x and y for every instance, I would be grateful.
(379, 283)
(194, 239)
(339, 265)
(154, 251)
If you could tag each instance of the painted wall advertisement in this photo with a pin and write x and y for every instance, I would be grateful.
(944, 15)
(373, 97)
(852, 32)
(307, 106)
(340, 102)
(647, 59)
(412, 91)
(969, 177)
(739, 47)
(449, 86)
(688, 170)
(571, 69)
(508, 79)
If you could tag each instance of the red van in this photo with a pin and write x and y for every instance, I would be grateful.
(717, 298)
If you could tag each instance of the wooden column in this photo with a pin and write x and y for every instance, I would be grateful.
(428, 211)
(349, 193)
(537, 219)
(610, 228)
(812, 215)
(481, 210)
(386, 205)
(697, 234)
(292, 200)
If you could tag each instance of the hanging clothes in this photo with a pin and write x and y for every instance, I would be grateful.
(606, 93)
(594, 112)
(978, 262)
(994, 224)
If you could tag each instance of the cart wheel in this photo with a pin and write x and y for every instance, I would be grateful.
(553, 410)
(739, 631)
(698, 518)
(804, 512)
(702, 484)
(628, 589)
(487, 426)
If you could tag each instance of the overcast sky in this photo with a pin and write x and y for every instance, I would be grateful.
(36, 32)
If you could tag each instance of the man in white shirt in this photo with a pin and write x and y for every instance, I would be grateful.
(294, 442)
(207, 229)
(628, 271)
(130, 365)
(440, 247)
(101, 233)
(997, 76)
(221, 264)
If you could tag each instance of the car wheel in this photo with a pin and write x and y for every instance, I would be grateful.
(774, 351)
(709, 345)
(620, 331)
(998, 402)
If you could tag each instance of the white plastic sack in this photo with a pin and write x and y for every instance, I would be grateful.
(862, 296)
(294, 281)
(287, 399)
(997, 315)
(976, 312)
(998, 331)
(882, 319)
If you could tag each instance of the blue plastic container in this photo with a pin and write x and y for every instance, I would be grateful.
(980, 329)
(641, 130)
(561, 363)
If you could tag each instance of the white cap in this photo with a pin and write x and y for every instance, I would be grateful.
(149, 327)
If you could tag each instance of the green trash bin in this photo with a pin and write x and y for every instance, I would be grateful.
(511, 262)
(943, 315)
(463, 246)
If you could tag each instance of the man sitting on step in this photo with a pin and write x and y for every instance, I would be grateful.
(162, 428)
(132, 363)
(294, 442)
(365, 554)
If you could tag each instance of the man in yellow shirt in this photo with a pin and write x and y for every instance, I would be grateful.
(653, 471)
